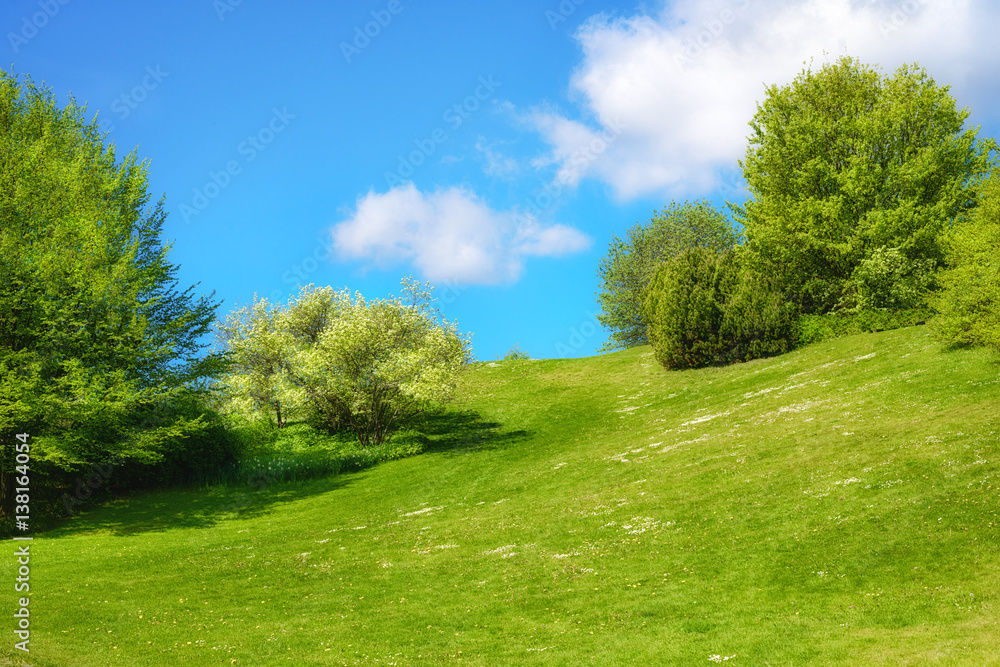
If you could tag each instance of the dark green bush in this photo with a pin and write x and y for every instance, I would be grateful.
(757, 320)
(186, 458)
(707, 308)
(683, 308)
(71, 469)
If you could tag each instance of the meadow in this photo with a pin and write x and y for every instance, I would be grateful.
(834, 505)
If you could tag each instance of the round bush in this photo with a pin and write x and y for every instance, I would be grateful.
(683, 309)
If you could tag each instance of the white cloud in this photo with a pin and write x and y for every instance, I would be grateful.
(449, 235)
(496, 163)
(683, 84)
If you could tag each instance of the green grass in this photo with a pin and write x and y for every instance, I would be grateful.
(835, 505)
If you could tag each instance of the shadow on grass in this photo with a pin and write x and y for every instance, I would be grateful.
(455, 432)
(173, 508)
(441, 432)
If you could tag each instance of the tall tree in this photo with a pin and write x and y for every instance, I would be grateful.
(843, 162)
(630, 263)
(92, 327)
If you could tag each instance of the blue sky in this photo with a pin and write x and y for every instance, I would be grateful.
(492, 150)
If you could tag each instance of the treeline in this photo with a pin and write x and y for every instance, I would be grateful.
(871, 207)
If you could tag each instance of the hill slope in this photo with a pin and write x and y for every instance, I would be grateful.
(836, 505)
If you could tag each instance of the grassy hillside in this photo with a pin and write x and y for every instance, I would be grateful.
(836, 505)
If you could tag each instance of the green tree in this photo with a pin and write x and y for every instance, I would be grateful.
(629, 265)
(351, 363)
(887, 280)
(93, 331)
(845, 161)
(969, 301)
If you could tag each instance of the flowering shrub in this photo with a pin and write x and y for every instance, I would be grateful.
(344, 362)
(888, 280)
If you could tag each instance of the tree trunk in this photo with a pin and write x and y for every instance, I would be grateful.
(277, 406)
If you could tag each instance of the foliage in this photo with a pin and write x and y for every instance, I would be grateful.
(709, 308)
(629, 265)
(515, 353)
(257, 345)
(888, 280)
(816, 328)
(757, 320)
(299, 452)
(93, 331)
(344, 362)
(969, 301)
(856, 479)
(683, 306)
(185, 458)
(378, 364)
(843, 162)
